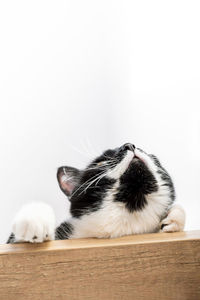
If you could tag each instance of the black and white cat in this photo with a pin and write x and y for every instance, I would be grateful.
(124, 191)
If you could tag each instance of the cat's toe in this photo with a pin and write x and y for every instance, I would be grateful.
(170, 226)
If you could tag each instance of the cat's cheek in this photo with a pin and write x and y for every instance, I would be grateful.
(34, 223)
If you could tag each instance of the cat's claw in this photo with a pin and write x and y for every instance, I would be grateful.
(175, 220)
(34, 223)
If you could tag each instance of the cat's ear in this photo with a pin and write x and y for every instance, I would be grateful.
(68, 179)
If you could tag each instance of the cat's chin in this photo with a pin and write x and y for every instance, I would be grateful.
(139, 156)
(137, 159)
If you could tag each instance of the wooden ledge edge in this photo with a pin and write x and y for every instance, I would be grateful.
(94, 243)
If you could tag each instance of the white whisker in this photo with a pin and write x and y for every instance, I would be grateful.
(88, 181)
(85, 148)
(98, 178)
(107, 164)
(79, 151)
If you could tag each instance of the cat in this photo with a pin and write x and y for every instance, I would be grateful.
(124, 191)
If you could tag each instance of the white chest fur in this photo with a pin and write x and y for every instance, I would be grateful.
(114, 220)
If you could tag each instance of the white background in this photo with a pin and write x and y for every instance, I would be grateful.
(77, 77)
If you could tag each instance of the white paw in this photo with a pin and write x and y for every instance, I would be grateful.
(34, 223)
(175, 220)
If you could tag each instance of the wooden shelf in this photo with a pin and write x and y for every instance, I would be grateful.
(150, 266)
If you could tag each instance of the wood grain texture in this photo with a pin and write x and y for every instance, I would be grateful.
(152, 266)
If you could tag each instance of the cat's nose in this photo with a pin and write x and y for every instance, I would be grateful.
(127, 146)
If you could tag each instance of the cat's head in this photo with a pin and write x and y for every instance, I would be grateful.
(126, 174)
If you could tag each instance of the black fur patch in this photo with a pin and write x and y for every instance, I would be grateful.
(135, 184)
(90, 200)
(93, 185)
(63, 231)
(11, 239)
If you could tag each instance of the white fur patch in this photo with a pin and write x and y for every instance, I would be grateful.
(35, 222)
(117, 172)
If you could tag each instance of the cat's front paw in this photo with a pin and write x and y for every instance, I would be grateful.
(34, 223)
(175, 220)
